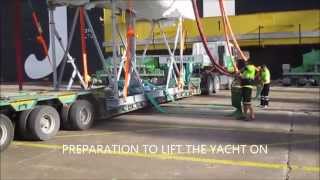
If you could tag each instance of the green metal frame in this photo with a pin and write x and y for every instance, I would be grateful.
(24, 100)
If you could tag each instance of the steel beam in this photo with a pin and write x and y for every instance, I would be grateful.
(53, 47)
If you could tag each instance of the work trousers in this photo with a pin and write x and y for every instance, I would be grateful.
(264, 96)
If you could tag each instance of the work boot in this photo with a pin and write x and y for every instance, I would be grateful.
(250, 118)
(247, 119)
(241, 117)
(262, 101)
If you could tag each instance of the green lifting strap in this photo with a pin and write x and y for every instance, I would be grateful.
(152, 99)
(154, 103)
(171, 98)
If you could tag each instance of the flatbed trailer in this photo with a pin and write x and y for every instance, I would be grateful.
(38, 112)
(307, 73)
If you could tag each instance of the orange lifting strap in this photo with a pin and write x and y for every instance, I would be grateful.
(83, 46)
(40, 38)
(226, 33)
(229, 29)
(127, 68)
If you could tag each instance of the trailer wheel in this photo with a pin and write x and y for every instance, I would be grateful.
(203, 86)
(44, 123)
(286, 81)
(210, 85)
(22, 124)
(64, 114)
(302, 81)
(6, 132)
(314, 82)
(229, 85)
(81, 115)
(216, 84)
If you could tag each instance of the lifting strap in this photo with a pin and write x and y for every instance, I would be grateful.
(127, 63)
(154, 103)
(226, 34)
(40, 38)
(220, 69)
(226, 20)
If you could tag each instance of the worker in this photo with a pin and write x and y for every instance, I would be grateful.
(258, 83)
(247, 76)
(265, 80)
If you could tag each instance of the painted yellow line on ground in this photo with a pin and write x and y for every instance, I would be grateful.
(37, 145)
(311, 168)
(163, 156)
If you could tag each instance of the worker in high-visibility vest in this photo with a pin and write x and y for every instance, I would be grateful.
(258, 83)
(265, 79)
(247, 77)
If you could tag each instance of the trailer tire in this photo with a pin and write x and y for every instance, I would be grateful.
(65, 123)
(302, 81)
(286, 81)
(22, 130)
(81, 115)
(314, 82)
(6, 132)
(203, 86)
(210, 85)
(44, 123)
(229, 85)
(216, 84)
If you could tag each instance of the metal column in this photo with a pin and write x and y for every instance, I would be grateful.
(70, 39)
(53, 47)
(259, 34)
(149, 40)
(181, 79)
(114, 50)
(300, 39)
(95, 40)
(18, 43)
(173, 64)
(71, 61)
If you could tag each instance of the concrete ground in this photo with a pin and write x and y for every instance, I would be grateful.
(212, 144)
